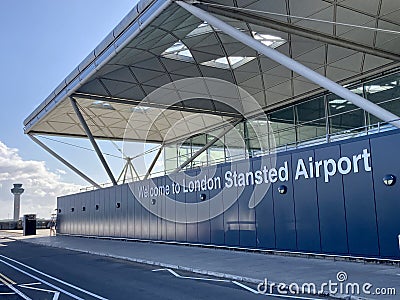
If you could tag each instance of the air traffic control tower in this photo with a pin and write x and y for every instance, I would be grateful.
(17, 192)
(312, 169)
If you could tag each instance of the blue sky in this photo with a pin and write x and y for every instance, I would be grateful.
(42, 42)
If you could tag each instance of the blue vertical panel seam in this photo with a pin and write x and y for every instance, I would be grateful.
(344, 203)
(373, 188)
(273, 204)
(294, 202)
(317, 198)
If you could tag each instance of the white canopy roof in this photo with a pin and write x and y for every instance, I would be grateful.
(159, 42)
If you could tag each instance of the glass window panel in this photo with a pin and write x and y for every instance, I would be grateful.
(392, 106)
(257, 129)
(201, 160)
(310, 110)
(216, 155)
(383, 89)
(285, 137)
(282, 119)
(347, 121)
(337, 105)
(311, 130)
(171, 164)
(199, 140)
(233, 154)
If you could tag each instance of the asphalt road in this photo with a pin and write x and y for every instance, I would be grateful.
(36, 272)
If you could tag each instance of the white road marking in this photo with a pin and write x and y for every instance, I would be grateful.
(51, 277)
(7, 293)
(193, 278)
(29, 284)
(56, 294)
(243, 286)
(8, 280)
(43, 281)
(25, 297)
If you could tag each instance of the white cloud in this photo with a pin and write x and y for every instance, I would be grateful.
(41, 185)
(62, 172)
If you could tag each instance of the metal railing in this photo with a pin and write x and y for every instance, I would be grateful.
(323, 139)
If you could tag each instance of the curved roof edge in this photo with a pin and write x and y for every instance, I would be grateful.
(131, 25)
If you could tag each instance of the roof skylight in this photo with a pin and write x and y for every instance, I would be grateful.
(203, 28)
(178, 51)
(372, 89)
(269, 40)
(226, 62)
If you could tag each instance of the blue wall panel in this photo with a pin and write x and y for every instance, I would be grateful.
(103, 231)
(131, 212)
(353, 213)
(75, 222)
(118, 211)
(265, 223)
(306, 203)
(138, 212)
(331, 207)
(231, 214)
(217, 233)
(386, 160)
(91, 212)
(170, 211)
(360, 205)
(204, 227)
(153, 219)
(284, 212)
(124, 211)
(180, 228)
(191, 208)
(247, 217)
(96, 213)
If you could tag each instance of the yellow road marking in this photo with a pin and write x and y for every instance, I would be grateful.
(8, 280)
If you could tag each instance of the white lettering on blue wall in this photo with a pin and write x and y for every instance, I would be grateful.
(304, 169)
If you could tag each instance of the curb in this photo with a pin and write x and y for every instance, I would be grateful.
(183, 268)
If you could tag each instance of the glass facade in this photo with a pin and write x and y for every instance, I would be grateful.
(320, 119)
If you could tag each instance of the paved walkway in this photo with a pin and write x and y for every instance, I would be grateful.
(237, 265)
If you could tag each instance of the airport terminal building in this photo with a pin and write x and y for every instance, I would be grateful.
(277, 123)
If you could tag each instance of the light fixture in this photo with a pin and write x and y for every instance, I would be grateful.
(282, 189)
(97, 207)
(72, 209)
(118, 204)
(389, 179)
(153, 201)
(83, 208)
(203, 197)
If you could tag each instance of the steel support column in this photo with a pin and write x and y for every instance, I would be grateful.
(206, 146)
(293, 65)
(92, 140)
(153, 163)
(37, 141)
